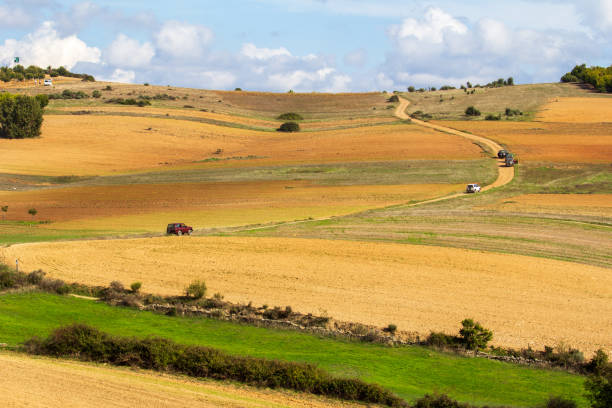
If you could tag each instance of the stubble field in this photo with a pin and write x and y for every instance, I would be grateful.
(577, 110)
(44, 382)
(524, 300)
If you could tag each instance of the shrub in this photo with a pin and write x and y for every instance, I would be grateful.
(473, 335)
(559, 402)
(411, 89)
(89, 344)
(20, 116)
(43, 100)
(441, 340)
(598, 363)
(472, 111)
(391, 328)
(569, 78)
(96, 94)
(237, 89)
(146, 84)
(108, 88)
(196, 289)
(490, 116)
(136, 287)
(289, 127)
(290, 116)
(513, 112)
(599, 390)
(438, 401)
(117, 286)
(393, 98)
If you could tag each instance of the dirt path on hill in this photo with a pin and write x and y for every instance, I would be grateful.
(505, 174)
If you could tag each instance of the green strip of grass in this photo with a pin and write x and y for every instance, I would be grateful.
(408, 371)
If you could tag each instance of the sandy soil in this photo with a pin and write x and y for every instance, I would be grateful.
(90, 145)
(43, 382)
(577, 110)
(148, 207)
(524, 300)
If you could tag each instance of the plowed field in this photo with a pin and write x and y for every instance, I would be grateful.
(577, 110)
(88, 145)
(585, 204)
(149, 207)
(524, 300)
(554, 142)
(42, 382)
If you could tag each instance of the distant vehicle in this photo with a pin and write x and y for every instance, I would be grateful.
(178, 228)
(48, 82)
(502, 153)
(472, 188)
(509, 160)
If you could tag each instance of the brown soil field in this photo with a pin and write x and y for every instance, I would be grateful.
(96, 145)
(524, 300)
(583, 204)
(554, 142)
(44, 382)
(232, 119)
(577, 110)
(148, 207)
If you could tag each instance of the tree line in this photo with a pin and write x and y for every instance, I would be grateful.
(20, 73)
(599, 77)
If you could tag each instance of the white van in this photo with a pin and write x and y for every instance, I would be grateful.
(48, 82)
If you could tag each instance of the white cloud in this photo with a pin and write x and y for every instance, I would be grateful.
(299, 79)
(432, 29)
(216, 80)
(14, 17)
(127, 52)
(46, 47)
(120, 75)
(251, 51)
(183, 40)
(356, 58)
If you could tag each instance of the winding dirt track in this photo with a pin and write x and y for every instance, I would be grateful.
(504, 174)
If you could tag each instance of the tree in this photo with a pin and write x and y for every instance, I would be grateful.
(510, 81)
(411, 89)
(599, 390)
(21, 116)
(4, 209)
(472, 111)
(473, 335)
(196, 290)
(469, 84)
(289, 127)
(33, 212)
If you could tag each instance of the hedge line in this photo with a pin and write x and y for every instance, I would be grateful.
(89, 344)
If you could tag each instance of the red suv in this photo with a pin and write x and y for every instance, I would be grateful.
(179, 228)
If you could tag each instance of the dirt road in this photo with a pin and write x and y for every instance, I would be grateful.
(505, 174)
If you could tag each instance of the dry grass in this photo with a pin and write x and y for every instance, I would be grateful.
(554, 142)
(87, 145)
(149, 207)
(582, 204)
(577, 110)
(523, 300)
(43, 382)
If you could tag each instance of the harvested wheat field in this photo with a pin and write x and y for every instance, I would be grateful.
(583, 204)
(43, 382)
(149, 207)
(97, 145)
(524, 300)
(553, 142)
(577, 110)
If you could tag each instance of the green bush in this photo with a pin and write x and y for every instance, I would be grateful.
(438, 401)
(473, 335)
(490, 116)
(290, 116)
(472, 111)
(90, 344)
(135, 287)
(559, 402)
(289, 127)
(96, 94)
(599, 389)
(21, 116)
(393, 99)
(196, 289)
(43, 100)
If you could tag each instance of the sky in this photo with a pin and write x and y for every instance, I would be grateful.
(308, 45)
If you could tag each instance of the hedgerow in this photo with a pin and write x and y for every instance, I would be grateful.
(89, 344)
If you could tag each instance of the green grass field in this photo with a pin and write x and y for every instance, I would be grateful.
(408, 371)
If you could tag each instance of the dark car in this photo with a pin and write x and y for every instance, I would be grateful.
(509, 160)
(502, 153)
(178, 228)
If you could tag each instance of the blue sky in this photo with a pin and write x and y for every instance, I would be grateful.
(309, 45)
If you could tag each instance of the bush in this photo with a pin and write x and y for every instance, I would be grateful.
(559, 402)
(136, 287)
(89, 344)
(490, 116)
(438, 401)
(290, 116)
(392, 328)
(96, 94)
(411, 89)
(393, 99)
(473, 335)
(43, 100)
(196, 290)
(599, 390)
(289, 127)
(513, 112)
(472, 111)
(441, 340)
(20, 116)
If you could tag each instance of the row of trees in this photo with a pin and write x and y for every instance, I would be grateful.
(599, 77)
(20, 73)
(494, 84)
(21, 116)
